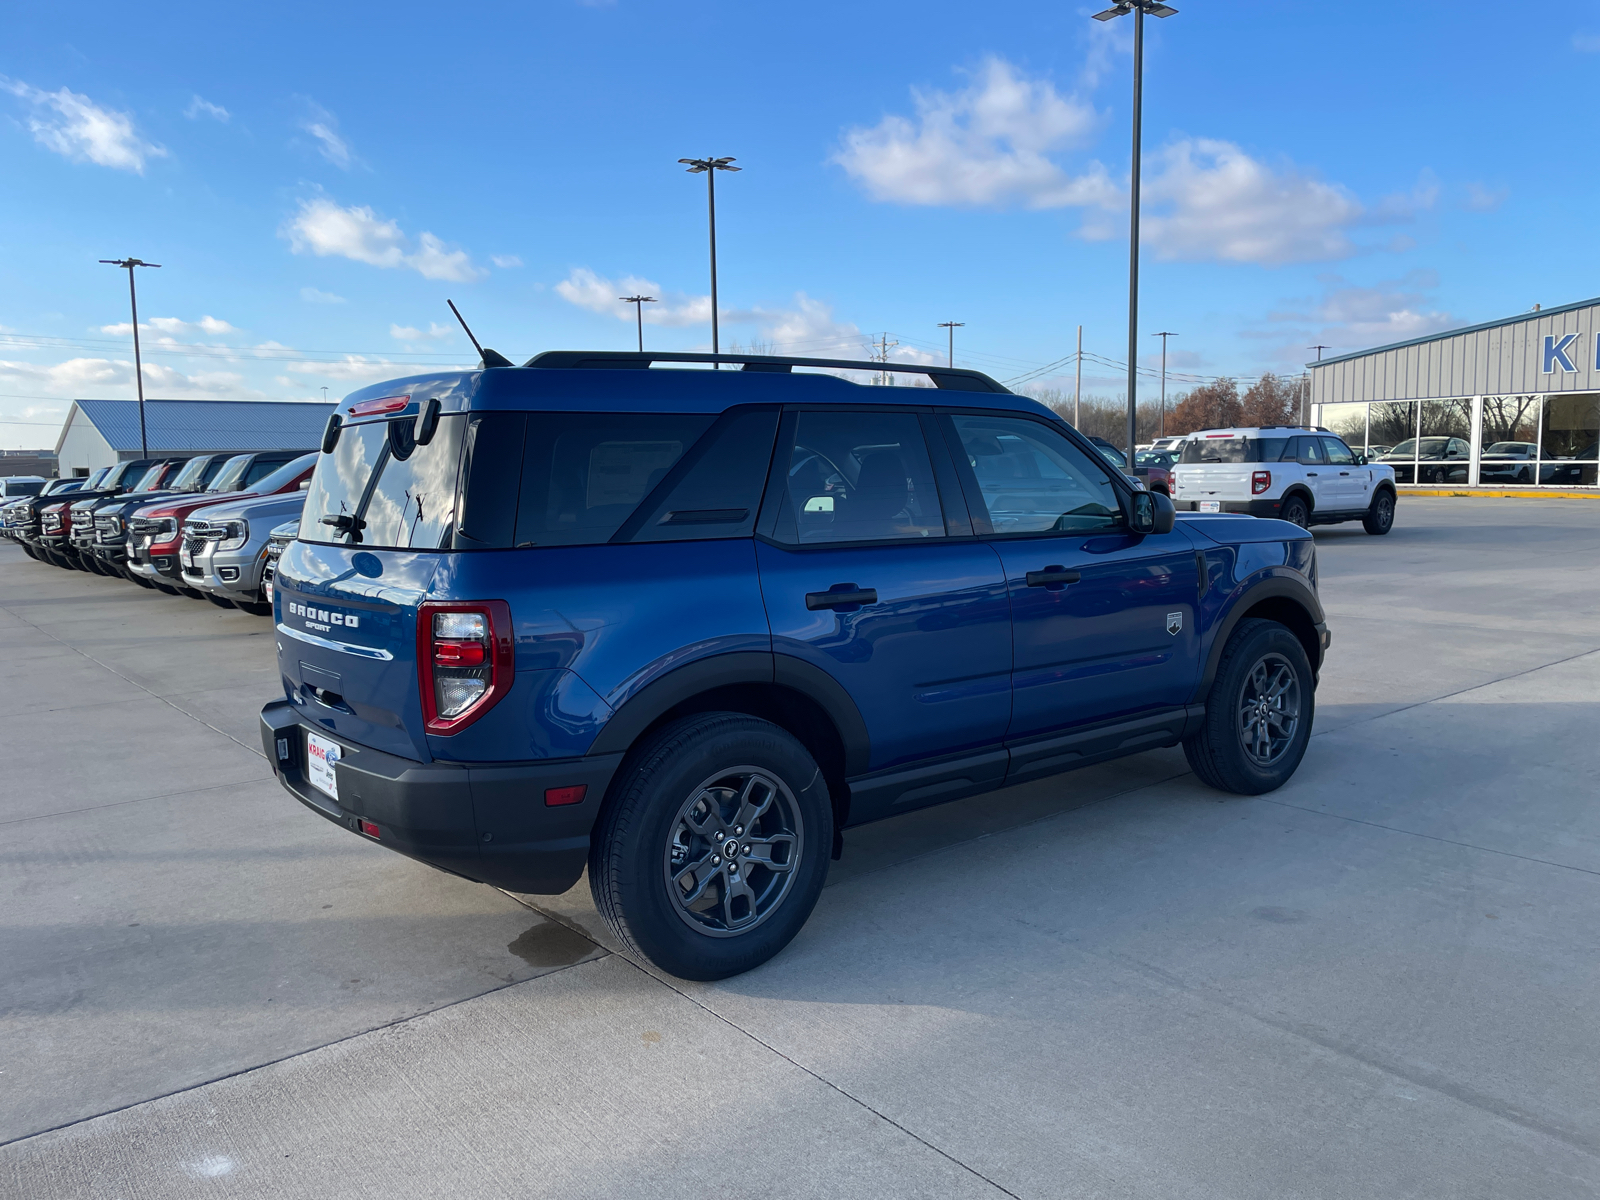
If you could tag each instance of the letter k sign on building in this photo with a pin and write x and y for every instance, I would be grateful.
(1559, 352)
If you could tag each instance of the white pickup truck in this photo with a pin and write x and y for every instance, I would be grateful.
(1307, 476)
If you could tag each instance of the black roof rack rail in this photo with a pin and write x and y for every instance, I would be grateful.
(955, 379)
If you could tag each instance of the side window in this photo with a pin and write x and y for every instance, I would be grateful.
(1338, 453)
(1310, 450)
(491, 466)
(1033, 480)
(856, 477)
(259, 468)
(583, 474)
(715, 491)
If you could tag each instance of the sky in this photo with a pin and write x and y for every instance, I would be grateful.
(317, 180)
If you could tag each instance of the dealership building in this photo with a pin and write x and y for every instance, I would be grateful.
(1514, 402)
(98, 433)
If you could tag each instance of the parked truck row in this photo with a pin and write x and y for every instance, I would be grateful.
(193, 525)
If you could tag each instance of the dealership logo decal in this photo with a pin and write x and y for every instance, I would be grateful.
(1561, 353)
(322, 618)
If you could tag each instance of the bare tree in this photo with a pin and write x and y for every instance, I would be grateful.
(1214, 405)
(1271, 401)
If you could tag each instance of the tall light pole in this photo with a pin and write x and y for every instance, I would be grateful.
(138, 364)
(1305, 398)
(710, 167)
(639, 302)
(952, 326)
(1164, 335)
(1121, 9)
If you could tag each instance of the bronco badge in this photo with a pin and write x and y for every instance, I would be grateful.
(1174, 623)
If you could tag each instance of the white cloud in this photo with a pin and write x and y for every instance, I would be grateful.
(77, 128)
(200, 107)
(410, 333)
(1348, 316)
(313, 295)
(598, 294)
(1482, 198)
(986, 145)
(324, 126)
(171, 326)
(324, 228)
(505, 261)
(358, 367)
(1588, 43)
(89, 378)
(1207, 200)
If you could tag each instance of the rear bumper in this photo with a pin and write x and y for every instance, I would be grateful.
(488, 823)
(1253, 508)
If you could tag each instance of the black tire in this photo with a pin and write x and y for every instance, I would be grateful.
(256, 608)
(193, 593)
(1258, 656)
(167, 588)
(29, 551)
(1297, 511)
(219, 601)
(701, 766)
(1380, 514)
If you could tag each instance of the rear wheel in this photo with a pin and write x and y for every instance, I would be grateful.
(1380, 514)
(1258, 714)
(1295, 509)
(714, 845)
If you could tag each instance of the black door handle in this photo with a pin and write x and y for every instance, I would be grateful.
(1311, 474)
(841, 599)
(1052, 575)
(1344, 472)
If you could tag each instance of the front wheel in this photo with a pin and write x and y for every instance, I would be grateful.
(714, 845)
(1258, 714)
(1294, 509)
(1380, 515)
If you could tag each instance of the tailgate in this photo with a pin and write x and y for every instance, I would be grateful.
(346, 623)
(1212, 481)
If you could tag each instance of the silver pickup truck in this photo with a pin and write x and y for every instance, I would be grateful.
(224, 548)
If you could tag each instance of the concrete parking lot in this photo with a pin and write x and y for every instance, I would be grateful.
(1379, 981)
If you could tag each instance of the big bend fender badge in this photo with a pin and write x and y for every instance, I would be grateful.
(1174, 623)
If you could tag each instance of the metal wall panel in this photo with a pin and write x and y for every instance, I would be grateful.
(1501, 358)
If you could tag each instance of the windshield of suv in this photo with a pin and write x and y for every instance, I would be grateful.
(227, 479)
(151, 479)
(1524, 449)
(379, 488)
(188, 477)
(1432, 447)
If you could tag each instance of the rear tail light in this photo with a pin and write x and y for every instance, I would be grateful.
(465, 661)
(1260, 481)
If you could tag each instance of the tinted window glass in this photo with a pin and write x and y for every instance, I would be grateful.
(859, 476)
(491, 475)
(262, 466)
(392, 493)
(1205, 449)
(227, 479)
(1338, 453)
(1310, 449)
(285, 475)
(716, 489)
(1034, 480)
(583, 474)
(191, 473)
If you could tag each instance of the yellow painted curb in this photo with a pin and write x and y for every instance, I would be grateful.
(1500, 493)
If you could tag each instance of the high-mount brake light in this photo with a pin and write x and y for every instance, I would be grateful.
(1260, 481)
(385, 404)
(465, 660)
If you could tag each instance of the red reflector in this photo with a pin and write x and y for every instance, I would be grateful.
(369, 828)
(459, 654)
(385, 404)
(554, 797)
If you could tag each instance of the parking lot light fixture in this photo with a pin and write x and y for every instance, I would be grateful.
(138, 365)
(638, 303)
(1121, 9)
(709, 167)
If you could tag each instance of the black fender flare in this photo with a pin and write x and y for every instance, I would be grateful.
(1272, 587)
(1301, 490)
(646, 706)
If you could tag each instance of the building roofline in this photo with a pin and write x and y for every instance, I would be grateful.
(1449, 333)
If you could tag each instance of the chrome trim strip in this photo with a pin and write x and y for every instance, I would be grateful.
(328, 644)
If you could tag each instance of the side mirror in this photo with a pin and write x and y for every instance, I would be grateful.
(1153, 513)
(427, 422)
(1361, 460)
(330, 433)
(305, 484)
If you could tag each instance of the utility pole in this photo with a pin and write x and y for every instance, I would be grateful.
(1077, 391)
(639, 302)
(952, 326)
(1305, 397)
(138, 363)
(1121, 9)
(882, 355)
(710, 167)
(1163, 335)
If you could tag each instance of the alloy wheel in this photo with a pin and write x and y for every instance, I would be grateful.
(732, 851)
(1269, 710)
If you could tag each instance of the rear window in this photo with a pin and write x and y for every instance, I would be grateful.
(1203, 449)
(379, 488)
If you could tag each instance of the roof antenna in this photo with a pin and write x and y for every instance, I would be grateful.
(486, 358)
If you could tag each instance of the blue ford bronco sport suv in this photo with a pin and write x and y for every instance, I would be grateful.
(684, 626)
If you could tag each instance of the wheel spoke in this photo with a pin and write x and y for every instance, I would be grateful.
(711, 823)
(736, 887)
(761, 850)
(702, 873)
(749, 810)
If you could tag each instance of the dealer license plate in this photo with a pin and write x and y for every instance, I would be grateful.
(321, 754)
(186, 556)
(1210, 506)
